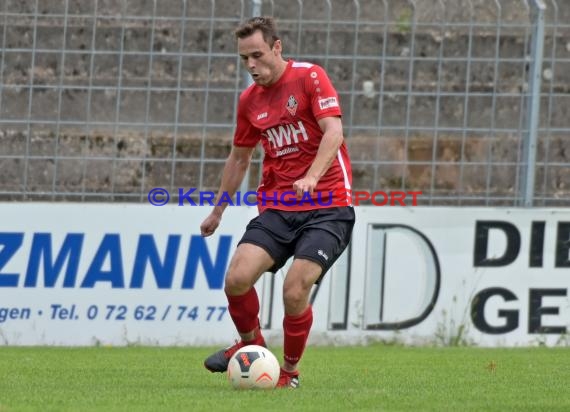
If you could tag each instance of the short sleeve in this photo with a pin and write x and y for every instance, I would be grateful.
(246, 134)
(324, 98)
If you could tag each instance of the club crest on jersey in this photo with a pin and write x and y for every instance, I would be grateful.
(292, 105)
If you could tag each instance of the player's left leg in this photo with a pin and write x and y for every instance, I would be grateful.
(324, 238)
(298, 317)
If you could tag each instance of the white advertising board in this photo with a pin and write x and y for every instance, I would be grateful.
(480, 276)
(87, 274)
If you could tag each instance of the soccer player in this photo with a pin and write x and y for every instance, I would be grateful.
(293, 110)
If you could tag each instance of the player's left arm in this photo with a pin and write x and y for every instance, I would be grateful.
(328, 149)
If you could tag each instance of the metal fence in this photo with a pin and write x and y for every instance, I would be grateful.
(467, 101)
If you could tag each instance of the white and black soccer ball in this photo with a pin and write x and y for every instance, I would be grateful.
(253, 367)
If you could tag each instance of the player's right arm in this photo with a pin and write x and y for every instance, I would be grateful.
(232, 176)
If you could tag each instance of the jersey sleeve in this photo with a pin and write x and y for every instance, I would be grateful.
(246, 135)
(324, 98)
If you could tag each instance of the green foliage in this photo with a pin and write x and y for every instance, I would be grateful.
(452, 333)
(404, 22)
(371, 378)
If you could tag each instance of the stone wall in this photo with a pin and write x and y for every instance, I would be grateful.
(101, 122)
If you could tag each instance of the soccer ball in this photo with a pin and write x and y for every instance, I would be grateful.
(253, 367)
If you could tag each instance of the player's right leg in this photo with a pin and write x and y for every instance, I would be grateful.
(248, 263)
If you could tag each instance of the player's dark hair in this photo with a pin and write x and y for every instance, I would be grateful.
(265, 24)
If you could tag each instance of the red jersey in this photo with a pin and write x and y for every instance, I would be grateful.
(284, 118)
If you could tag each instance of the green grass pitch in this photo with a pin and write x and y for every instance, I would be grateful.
(371, 378)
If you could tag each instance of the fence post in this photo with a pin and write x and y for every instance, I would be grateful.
(528, 169)
(255, 11)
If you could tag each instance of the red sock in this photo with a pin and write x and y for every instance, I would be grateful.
(244, 310)
(296, 329)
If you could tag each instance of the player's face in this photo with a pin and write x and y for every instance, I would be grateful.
(261, 61)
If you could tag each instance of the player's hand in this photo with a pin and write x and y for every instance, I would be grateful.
(210, 224)
(306, 184)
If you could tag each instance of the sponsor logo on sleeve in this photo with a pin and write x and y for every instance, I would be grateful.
(328, 102)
